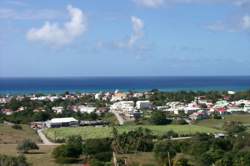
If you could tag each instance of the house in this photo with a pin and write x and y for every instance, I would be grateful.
(85, 109)
(191, 108)
(198, 115)
(221, 111)
(221, 103)
(118, 96)
(57, 110)
(247, 108)
(144, 104)
(175, 107)
(98, 96)
(124, 107)
(234, 108)
(62, 122)
(7, 111)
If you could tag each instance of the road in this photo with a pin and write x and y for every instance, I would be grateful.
(44, 139)
(118, 117)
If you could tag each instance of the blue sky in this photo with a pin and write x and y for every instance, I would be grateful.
(124, 38)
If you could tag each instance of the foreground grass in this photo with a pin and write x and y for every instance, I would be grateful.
(218, 123)
(104, 132)
(141, 158)
(8, 135)
(42, 157)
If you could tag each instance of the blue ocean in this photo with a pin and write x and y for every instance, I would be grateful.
(96, 84)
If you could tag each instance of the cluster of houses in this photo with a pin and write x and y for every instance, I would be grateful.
(129, 108)
(202, 108)
(129, 104)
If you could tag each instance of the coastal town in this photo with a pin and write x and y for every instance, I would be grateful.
(84, 122)
(126, 106)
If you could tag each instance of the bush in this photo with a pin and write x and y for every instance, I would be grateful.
(13, 161)
(234, 127)
(94, 146)
(17, 127)
(103, 156)
(170, 134)
(69, 152)
(159, 118)
(27, 145)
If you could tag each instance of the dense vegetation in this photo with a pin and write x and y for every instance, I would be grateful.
(13, 161)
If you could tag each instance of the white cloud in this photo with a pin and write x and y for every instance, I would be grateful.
(149, 3)
(52, 33)
(137, 33)
(28, 14)
(245, 22)
(158, 3)
(238, 24)
(218, 26)
(138, 26)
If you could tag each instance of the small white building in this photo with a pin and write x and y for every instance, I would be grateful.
(98, 96)
(57, 110)
(247, 108)
(86, 109)
(62, 122)
(144, 104)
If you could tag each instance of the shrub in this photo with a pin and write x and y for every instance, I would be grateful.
(13, 161)
(17, 127)
(103, 156)
(159, 118)
(27, 145)
(69, 152)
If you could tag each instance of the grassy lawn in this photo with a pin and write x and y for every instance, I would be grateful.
(37, 158)
(104, 132)
(8, 135)
(41, 158)
(218, 123)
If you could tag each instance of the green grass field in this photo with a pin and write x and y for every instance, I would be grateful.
(218, 123)
(104, 132)
(8, 135)
(36, 158)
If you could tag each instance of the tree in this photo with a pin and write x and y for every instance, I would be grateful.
(181, 162)
(159, 118)
(27, 145)
(233, 127)
(164, 152)
(137, 140)
(70, 151)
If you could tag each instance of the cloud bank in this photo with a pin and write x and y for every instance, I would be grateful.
(52, 33)
(149, 3)
(158, 3)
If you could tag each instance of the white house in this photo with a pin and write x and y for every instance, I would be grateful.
(144, 104)
(86, 109)
(57, 110)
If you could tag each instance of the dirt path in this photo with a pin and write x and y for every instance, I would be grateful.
(44, 139)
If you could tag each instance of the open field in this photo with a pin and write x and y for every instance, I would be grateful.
(37, 158)
(8, 135)
(218, 123)
(41, 158)
(104, 132)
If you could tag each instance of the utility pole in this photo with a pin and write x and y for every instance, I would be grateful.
(169, 161)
